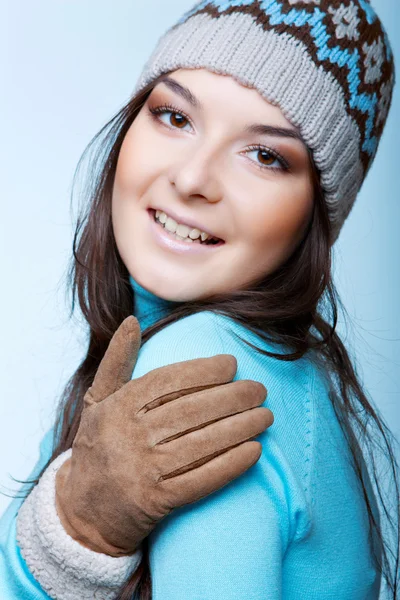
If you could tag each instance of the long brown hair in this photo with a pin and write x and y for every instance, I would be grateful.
(297, 305)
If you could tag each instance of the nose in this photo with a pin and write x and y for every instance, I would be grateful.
(195, 176)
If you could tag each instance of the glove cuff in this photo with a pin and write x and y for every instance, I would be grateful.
(65, 569)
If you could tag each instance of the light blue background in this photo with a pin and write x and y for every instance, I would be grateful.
(66, 68)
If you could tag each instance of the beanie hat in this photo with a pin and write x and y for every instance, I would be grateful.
(327, 64)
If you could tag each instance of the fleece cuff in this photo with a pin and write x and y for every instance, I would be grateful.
(65, 569)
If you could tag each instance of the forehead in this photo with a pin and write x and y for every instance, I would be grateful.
(203, 88)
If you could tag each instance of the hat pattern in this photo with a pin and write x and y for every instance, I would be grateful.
(345, 38)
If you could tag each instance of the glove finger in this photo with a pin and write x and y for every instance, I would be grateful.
(196, 447)
(199, 409)
(211, 476)
(169, 382)
(118, 362)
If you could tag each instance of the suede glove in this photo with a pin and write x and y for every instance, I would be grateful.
(148, 445)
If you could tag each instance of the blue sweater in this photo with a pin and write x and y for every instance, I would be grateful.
(293, 527)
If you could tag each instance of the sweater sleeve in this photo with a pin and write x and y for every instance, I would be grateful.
(16, 580)
(39, 560)
(231, 544)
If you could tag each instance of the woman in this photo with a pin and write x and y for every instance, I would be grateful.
(254, 123)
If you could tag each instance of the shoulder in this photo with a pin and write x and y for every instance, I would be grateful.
(288, 444)
(290, 384)
(207, 333)
(195, 336)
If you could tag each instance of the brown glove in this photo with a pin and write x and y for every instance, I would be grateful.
(148, 445)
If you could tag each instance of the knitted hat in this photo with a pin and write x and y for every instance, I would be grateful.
(327, 64)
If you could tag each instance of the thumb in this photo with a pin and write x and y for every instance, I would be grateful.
(117, 363)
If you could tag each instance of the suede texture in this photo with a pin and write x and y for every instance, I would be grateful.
(149, 445)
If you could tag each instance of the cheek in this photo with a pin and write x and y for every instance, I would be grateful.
(136, 163)
(277, 223)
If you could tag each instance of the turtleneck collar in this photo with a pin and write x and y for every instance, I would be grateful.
(148, 308)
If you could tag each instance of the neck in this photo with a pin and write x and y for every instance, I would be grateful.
(148, 308)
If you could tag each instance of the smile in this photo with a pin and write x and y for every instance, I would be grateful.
(184, 232)
(169, 239)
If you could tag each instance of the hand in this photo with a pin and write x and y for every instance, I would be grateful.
(148, 445)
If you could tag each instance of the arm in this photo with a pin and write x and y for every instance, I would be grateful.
(39, 560)
(231, 544)
(15, 580)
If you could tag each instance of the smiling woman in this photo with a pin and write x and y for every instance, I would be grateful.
(254, 123)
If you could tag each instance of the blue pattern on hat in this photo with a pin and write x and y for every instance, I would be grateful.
(364, 102)
(369, 11)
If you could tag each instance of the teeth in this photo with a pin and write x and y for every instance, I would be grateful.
(171, 225)
(182, 239)
(181, 231)
(195, 234)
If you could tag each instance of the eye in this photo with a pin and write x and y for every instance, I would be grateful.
(267, 158)
(178, 119)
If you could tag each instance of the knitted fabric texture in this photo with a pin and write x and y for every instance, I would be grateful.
(327, 64)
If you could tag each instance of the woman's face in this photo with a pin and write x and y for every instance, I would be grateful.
(201, 164)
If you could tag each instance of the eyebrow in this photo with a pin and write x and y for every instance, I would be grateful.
(253, 128)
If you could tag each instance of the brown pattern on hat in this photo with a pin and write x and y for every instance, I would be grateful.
(368, 33)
